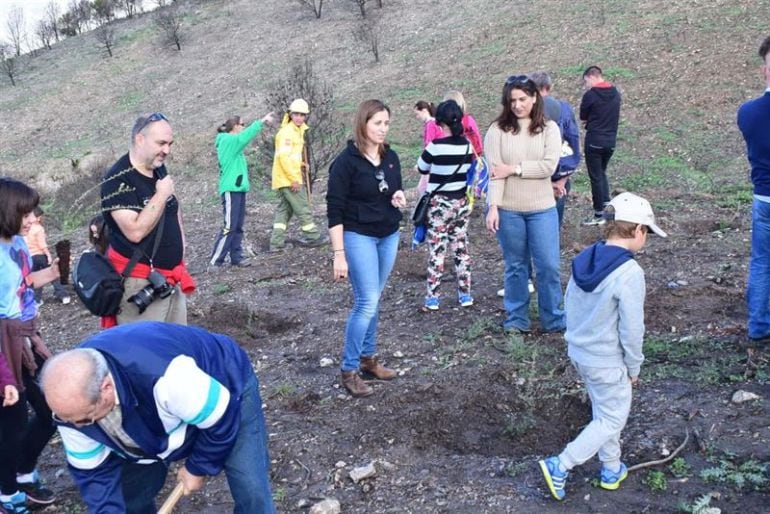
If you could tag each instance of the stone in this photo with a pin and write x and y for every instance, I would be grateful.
(326, 362)
(398, 355)
(362, 472)
(340, 464)
(741, 396)
(327, 506)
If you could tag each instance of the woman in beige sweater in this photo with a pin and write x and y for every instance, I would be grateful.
(523, 150)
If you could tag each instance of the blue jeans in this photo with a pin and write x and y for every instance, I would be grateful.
(370, 260)
(522, 234)
(561, 202)
(246, 469)
(758, 288)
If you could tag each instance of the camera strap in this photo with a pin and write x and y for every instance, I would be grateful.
(138, 250)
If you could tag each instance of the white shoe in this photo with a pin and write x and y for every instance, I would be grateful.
(501, 293)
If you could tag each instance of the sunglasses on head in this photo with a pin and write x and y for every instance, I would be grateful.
(383, 185)
(152, 118)
(519, 80)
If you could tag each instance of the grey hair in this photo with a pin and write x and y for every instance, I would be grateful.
(97, 372)
(541, 79)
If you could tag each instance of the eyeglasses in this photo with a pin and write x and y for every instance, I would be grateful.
(79, 423)
(519, 79)
(152, 118)
(383, 185)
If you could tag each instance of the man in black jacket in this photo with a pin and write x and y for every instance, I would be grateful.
(600, 110)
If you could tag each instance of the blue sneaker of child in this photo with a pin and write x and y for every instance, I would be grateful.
(16, 504)
(554, 477)
(431, 303)
(611, 479)
(465, 300)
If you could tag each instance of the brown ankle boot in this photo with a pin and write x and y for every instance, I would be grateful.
(355, 386)
(370, 365)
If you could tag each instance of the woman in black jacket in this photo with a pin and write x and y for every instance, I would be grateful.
(363, 199)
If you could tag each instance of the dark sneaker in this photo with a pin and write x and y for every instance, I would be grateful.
(312, 243)
(243, 263)
(555, 479)
(17, 504)
(611, 479)
(38, 493)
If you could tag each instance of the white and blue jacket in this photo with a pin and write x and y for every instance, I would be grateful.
(179, 389)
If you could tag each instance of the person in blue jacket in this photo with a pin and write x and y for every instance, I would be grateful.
(132, 399)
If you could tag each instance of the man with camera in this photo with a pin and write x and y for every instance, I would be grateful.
(145, 226)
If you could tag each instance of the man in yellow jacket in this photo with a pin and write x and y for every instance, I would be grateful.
(288, 165)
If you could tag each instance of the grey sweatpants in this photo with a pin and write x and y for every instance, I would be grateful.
(610, 393)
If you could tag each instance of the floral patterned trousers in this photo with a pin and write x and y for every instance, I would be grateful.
(448, 230)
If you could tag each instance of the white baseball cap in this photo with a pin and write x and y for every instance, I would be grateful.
(634, 209)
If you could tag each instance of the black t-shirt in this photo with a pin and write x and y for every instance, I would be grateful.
(125, 188)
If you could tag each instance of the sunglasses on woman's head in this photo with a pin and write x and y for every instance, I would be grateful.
(519, 80)
(383, 185)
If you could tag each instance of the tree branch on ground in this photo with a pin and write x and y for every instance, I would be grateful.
(105, 35)
(326, 133)
(368, 34)
(315, 5)
(15, 27)
(169, 21)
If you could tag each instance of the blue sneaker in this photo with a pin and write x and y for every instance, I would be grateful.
(431, 303)
(554, 478)
(610, 479)
(466, 300)
(17, 503)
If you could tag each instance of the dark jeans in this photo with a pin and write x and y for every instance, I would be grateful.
(141, 483)
(597, 158)
(231, 236)
(39, 262)
(22, 438)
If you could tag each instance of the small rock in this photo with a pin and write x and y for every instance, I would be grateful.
(328, 506)
(587, 497)
(711, 510)
(665, 451)
(683, 283)
(360, 473)
(741, 396)
(398, 355)
(389, 466)
(326, 362)
(340, 464)
(304, 503)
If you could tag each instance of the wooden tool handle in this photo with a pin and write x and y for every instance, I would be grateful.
(174, 497)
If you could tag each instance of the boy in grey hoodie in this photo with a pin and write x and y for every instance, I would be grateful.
(604, 303)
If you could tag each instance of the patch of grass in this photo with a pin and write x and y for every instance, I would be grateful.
(283, 390)
(680, 468)
(279, 495)
(735, 196)
(749, 475)
(130, 101)
(478, 328)
(220, 289)
(617, 72)
(70, 149)
(656, 481)
(689, 358)
(514, 469)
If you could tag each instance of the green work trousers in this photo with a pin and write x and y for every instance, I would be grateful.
(290, 204)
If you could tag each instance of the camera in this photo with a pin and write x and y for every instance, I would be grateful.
(157, 288)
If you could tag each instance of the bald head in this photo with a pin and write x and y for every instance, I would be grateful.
(73, 382)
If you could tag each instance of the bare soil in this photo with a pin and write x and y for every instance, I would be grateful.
(460, 430)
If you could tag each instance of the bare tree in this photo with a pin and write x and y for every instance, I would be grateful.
(15, 27)
(169, 21)
(105, 35)
(131, 7)
(52, 13)
(9, 62)
(361, 6)
(314, 5)
(326, 134)
(76, 19)
(368, 33)
(44, 33)
(103, 10)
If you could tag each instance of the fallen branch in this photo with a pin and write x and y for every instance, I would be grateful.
(667, 459)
